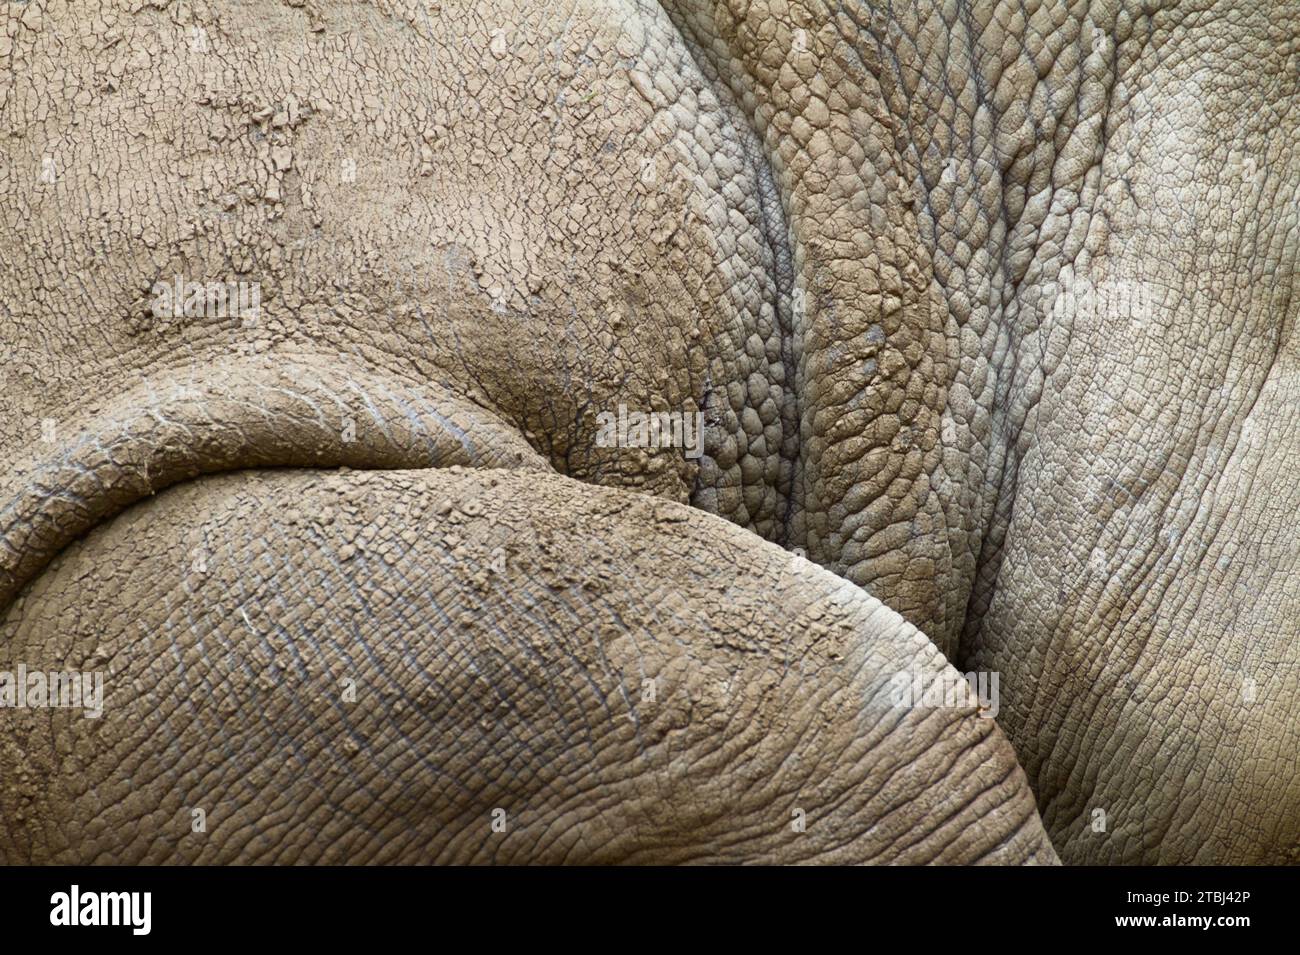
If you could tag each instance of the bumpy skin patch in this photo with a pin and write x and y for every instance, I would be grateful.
(1048, 375)
(546, 212)
(596, 678)
(1148, 567)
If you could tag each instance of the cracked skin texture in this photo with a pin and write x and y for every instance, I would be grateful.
(522, 689)
(855, 236)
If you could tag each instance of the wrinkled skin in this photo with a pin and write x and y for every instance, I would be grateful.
(989, 308)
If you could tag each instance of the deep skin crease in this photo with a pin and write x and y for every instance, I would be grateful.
(988, 308)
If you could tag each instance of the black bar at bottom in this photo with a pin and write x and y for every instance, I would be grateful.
(603, 907)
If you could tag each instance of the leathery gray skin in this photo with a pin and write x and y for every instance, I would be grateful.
(988, 309)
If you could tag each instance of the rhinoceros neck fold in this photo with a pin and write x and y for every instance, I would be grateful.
(226, 417)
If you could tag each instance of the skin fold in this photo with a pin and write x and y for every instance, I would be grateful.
(596, 682)
(988, 311)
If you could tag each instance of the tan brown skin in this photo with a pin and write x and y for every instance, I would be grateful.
(880, 252)
(599, 685)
